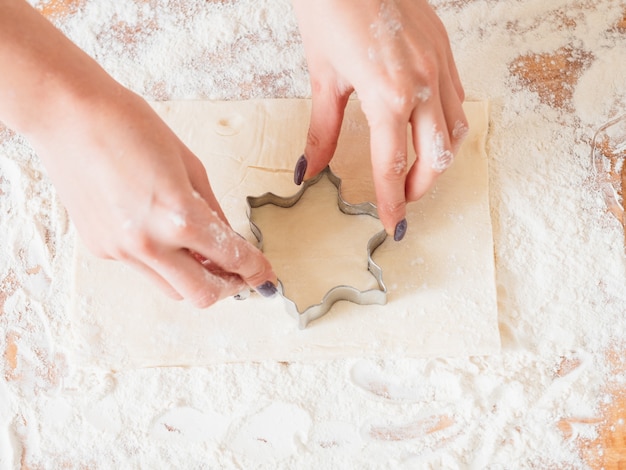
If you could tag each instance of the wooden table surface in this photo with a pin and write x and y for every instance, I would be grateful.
(552, 76)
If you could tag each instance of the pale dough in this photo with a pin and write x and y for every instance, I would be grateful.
(314, 247)
(441, 280)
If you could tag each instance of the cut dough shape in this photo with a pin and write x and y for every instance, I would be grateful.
(313, 246)
(441, 279)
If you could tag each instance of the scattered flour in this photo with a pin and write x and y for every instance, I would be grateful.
(559, 255)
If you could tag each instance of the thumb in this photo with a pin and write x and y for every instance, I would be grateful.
(328, 105)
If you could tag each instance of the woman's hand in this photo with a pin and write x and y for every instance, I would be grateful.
(396, 55)
(135, 192)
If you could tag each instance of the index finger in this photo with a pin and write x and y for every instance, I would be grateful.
(214, 240)
(234, 254)
(389, 166)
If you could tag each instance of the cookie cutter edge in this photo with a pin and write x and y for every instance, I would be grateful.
(336, 293)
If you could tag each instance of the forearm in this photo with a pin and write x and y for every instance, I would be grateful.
(45, 77)
(123, 175)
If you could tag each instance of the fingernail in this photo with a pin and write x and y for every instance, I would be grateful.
(298, 174)
(400, 230)
(267, 289)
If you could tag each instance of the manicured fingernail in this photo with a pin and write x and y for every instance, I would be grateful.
(298, 174)
(400, 230)
(267, 289)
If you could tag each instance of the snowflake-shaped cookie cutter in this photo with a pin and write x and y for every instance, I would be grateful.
(377, 296)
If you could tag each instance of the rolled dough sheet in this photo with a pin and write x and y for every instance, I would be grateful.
(442, 296)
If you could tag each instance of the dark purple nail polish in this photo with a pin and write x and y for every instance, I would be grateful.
(298, 174)
(400, 230)
(267, 289)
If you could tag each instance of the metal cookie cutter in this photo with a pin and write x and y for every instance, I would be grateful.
(337, 293)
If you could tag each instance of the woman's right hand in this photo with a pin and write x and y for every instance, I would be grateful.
(396, 55)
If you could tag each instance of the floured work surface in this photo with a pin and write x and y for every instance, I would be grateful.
(441, 280)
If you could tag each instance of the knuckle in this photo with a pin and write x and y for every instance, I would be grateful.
(236, 260)
(400, 102)
(215, 287)
(317, 86)
(179, 213)
(204, 298)
(169, 291)
(255, 264)
(396, 167)
(259, 274)
(180, 229)
(392, 93)
(394, 171)
(394, 206)
(225, 240)
(460, 92)
(459, 133)
(207, 293)
(397, 95)
(317, 140)
(313, 139)
(460, 129)
(198, 168)
(429, 70)
(136, 244)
